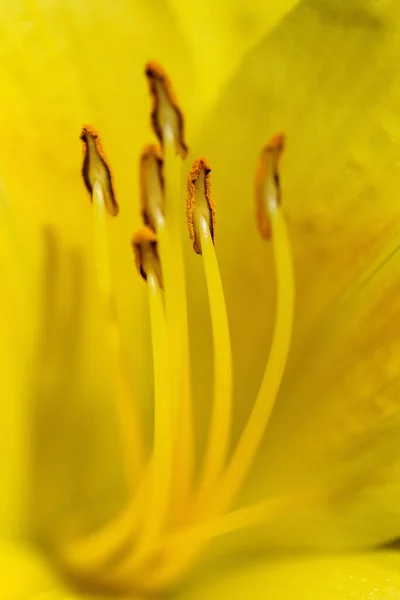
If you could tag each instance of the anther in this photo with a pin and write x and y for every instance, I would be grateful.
(166, 116)
(144, 244)
(152, 186)
(267, 187)
(95, 168)
(199, 202)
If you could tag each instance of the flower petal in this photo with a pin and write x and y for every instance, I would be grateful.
(340, 410)
(338, 196)
(339, 179)
(18, 328)
(219, 35)
(25, 574)
(74, 469)
(348, 577)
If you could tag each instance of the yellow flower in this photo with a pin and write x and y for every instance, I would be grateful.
(84, 502)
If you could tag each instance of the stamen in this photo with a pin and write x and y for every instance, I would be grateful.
(201, 224)
(178, 337)
(147, 544)
(158, 485)
(181, 543)
(144, 245)
(241, 518)
(168, 125)
(253, 433)
(95, 168)
(162, 464)
(172, 420)
(166, 116)
(100, 240)
(267, 187)
(89, 553)
(199, 202)
(95, 550)
(129, 421)
(152, 187)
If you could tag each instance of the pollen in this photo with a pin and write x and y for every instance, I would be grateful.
(166, 116)
(267, 184)
(152, 193)
(95, 168)
(199, 202)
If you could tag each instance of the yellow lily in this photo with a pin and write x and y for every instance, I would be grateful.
(325, 477)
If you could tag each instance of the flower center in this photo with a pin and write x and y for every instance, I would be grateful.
(172, 514)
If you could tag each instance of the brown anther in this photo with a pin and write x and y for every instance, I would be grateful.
(166, 116)
(95, 168)
(267, 186)
(151, 186)
(144, 244)
(199, 202)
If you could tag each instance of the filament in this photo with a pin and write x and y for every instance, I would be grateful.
(92, 550)
(251, 437)
(177, 325)
(253, 433)
(161, 465)
(219, 435)
(167, 521)
(128, 419)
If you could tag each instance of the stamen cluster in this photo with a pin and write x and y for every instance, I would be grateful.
(172, 514)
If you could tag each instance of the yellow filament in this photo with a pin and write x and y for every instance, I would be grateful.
(253, 433)
(157, 489)
(242, 518)
(238, 519)
(100, 240)
(171, 252)
(94, 550)
(91, 551)
(130, 428)
(251, 437)
(173, 420)
(161, 469)
(186, 542)
(220, 426)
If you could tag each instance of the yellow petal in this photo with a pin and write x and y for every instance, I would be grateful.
(74, 461)
(219, 35)
(339, 180)
(353, 576)
(339, 171)
(340, 410)
(18, 327)
(12, 430)
(26, 575)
